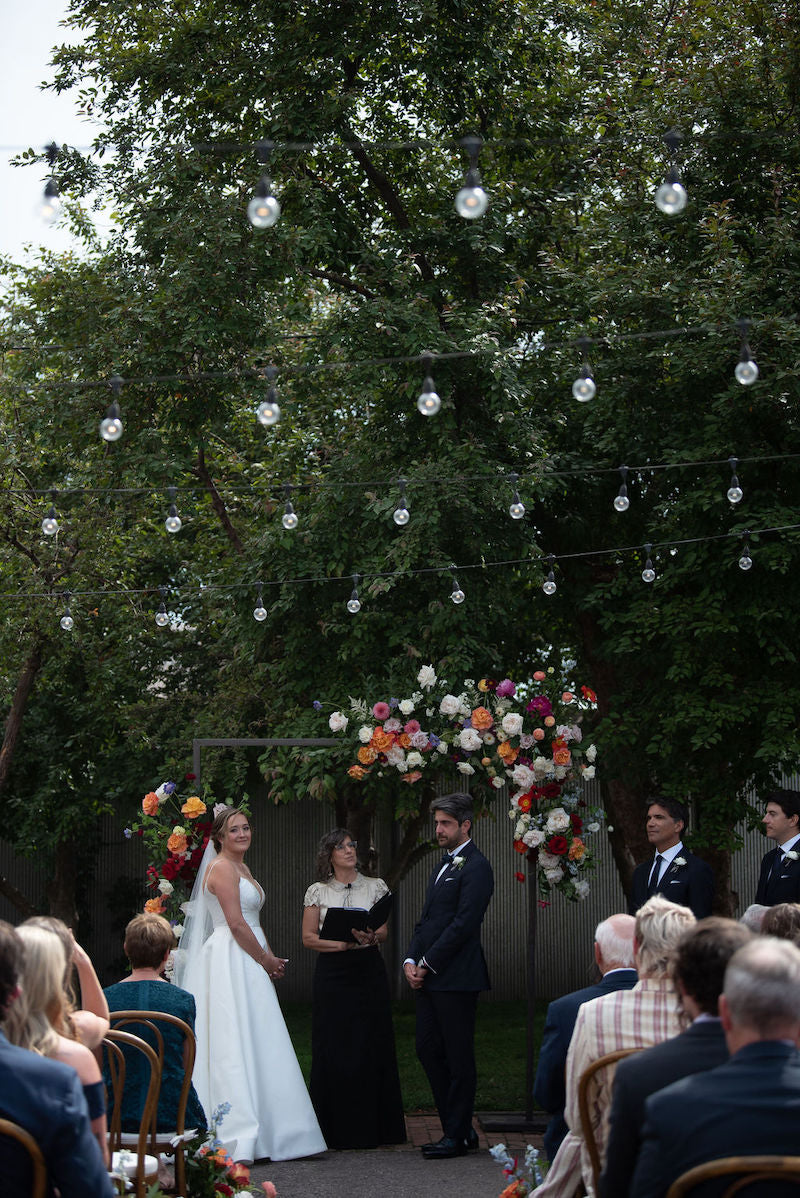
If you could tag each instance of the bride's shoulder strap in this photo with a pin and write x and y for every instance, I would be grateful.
(208, 871)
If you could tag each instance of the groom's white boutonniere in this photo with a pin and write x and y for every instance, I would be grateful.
(679, 861)
(458, 862)
(792, 855)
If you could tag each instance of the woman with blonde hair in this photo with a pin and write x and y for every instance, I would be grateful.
(87, 1022)
(38, 1020)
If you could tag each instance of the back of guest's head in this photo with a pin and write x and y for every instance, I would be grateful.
(148, 939)
(787, 800)
(659, 926)
(33, 1019)
(701, 957)
(458, 805)
(753, 917)
(762, 987)
(11, 962)
(674, 808)
(782, 921)
(221, 823)
(614, 939)
(53, 924)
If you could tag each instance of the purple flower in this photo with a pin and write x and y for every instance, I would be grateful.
(127, 834)
(505, 689)
(434, 739)
(393, 703)
(168, 787)
(317, 705)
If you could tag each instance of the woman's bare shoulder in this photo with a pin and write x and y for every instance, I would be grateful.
(70, 1052)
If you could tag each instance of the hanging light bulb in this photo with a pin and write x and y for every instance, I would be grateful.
(50, 524)
(428, 402)
(457, 595)
(51, 203)
(584, 387)
(746, 561)
(353, 603)
(289, 519)
(472, 201)
(517, 509)
(735, 492)
(401, 515)
(648, 573)
(111, 426)
(66, 621)
(549, 585)
(173, 522)
(671, 197)
(622, 503)
(162, 617)
(268, 411)
(746, 369)
(259, 611)
(263, 210)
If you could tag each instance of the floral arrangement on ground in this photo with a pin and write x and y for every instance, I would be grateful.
(211, 1171)
(529, 737)
(521, 1178)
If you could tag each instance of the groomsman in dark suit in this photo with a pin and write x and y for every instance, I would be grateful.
(779, 881)
(673, 872)
(446, 967)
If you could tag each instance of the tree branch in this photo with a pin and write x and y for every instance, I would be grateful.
(343, 282)
(201, 470)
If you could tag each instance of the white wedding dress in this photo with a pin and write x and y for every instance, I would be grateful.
(244, 1053)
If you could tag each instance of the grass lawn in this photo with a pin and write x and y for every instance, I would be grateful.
(499, 1048)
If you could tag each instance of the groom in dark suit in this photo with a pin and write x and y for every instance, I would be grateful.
(780, 868)
(446, 967)
(673, 872)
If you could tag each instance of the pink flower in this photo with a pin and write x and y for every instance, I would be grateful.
(567, 697)
(392, 725)
(505, 689)
(269, 1189)
(381, 711)
(411, 727)
(539, 675)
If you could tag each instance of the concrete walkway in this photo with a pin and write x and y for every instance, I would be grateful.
(400, 1171)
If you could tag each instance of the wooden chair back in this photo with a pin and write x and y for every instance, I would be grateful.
(114, 1041)
(745, 1171)
(39, 1170)
(588, 1080)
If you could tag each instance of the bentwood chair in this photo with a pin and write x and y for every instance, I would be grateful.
(599, 1072)
(744, 1170)
(39, 1170)
(135, 1165)
(145, 1025)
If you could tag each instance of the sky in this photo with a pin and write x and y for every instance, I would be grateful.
(31, 117)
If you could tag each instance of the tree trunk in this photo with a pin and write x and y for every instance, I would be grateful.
(61, 889)
(30, 670)
(16, 898)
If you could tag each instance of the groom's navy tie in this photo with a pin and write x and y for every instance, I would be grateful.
(653, 886)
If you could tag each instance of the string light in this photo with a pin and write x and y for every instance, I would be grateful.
(584, 387)
(111, 425)
(263, 210)
(746, 369)
(51, 204)
(472, 201)
(50, 523)
(66, 621)
(648, 573)
(428, 401)
(401, 515)
(549, 585)
(735, 492)
(746, 561)
(259, 611)
(268, 412)
(162, 617)
(353, 603)
(173, 522)
(289, 519)
(671, 197)
(517, 509)
(457, 595)
(622, 503)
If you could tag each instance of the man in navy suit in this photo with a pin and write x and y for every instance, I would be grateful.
(613, 953)
(674, 872)
(46, 1098)
(446, 967)
(697, 970)
(749, 1106)
(780, 868)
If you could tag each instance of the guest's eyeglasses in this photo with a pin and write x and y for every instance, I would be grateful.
(348, 844)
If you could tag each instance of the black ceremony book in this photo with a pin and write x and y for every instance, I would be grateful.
(339, 920)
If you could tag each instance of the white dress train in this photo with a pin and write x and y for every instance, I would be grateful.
(244, 1054)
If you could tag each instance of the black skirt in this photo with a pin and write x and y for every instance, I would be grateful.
(355, 1085)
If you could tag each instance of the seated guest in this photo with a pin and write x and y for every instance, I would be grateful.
(673, 871)
(613, 954)
(46, 1098)
(38, 1021)
(635, 1018)
(149, 940)
(753, 917)
(749, 1106)
(89, 1021)
(697, 970)
(782, 921)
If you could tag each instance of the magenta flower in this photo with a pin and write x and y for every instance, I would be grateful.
(541, 705)
(381, 711)
(411, 727)
(505, 689)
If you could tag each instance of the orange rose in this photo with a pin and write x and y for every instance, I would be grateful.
(482, 719)
(486, 761)
(576, 850)
(561, 756)
(507, 751)
(150, 804)
(366, 755)
(381, 741)
(177, 843)
(549, 721)
(515, 1189)
(193, 807)
(357, 772)
(240, 1172)
(155, 906)
(538, 734)
(414, 776)
(404, 740)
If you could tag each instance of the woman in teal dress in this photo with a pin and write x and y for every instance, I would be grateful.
(149, 939)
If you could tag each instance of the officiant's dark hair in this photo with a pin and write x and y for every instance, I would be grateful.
(330, 841)
(458, 805)
(674, 808)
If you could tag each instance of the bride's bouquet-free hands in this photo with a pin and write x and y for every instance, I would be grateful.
(275, 966)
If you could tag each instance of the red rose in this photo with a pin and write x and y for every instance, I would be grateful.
(190, 777)
(519, 847)
(577, 824)
(170, 869)
(520, 877)
(557, 845)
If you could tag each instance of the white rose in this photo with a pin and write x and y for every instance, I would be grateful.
(365, 734)
(588, 772)
(559, 772)
(427, 677)
(554, 875)
(165, 887)
(541, 765)
(402, 766)
(557, 821)
(470, 739)
(523, 777)
(522, 827)
(337, 722)
(533, 838)
(177, 931)
(497, 783)
(449, 705)
(395, 755)
(591, 753)
(512, 723)
(593, 827)
(406, 706)
(464, 767)
(581, 889)
(414, 758)
(441, 748)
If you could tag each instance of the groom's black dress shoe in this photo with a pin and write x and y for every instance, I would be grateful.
(444, 1149)
(472, 1141)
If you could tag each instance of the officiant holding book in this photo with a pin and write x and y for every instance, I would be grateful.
(355, 1085)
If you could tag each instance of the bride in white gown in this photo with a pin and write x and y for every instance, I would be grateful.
(244, 1053)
